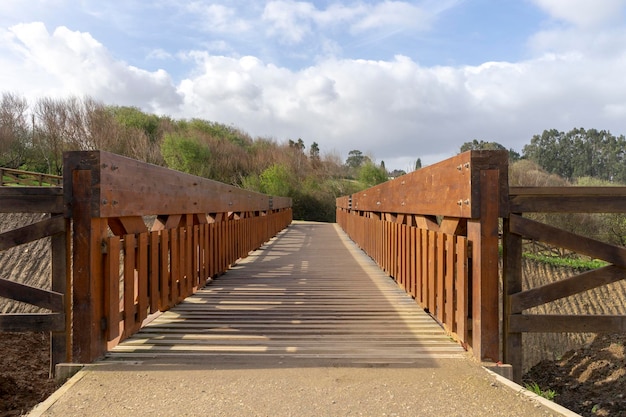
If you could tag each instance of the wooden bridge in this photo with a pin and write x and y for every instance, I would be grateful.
(309, 293)
(130, 242)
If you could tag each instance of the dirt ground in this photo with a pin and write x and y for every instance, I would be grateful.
(24, 371)
(590, 381)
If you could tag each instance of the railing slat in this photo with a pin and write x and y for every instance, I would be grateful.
(36, 296)
(32, 232)
(33, 322)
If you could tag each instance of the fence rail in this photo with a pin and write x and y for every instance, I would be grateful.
(56, 228)
(517, 228)
(435, 231)
(125, 268)
(128, 239)
(10, 176)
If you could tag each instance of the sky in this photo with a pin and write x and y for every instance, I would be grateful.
(397, 80)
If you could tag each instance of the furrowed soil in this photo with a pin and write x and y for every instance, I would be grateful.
(590, 381)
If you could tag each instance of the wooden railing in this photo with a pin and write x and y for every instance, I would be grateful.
(10, 176)
(142, 239)
(126, 265)
(517, 228)
(435, 231)
(55, 227)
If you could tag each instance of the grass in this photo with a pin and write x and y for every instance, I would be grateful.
(575, 263)
(548, 394)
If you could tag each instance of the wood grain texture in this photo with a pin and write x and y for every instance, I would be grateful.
(448, 188)
(117, 181)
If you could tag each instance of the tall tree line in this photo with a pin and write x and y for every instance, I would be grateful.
(580, 153)
(34, 137)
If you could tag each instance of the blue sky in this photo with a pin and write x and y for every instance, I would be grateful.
(398, 80)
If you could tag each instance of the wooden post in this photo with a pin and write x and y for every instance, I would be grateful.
(483, 233)
(88, 341)
(61, 283)
(512, 284)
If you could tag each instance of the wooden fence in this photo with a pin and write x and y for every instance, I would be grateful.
(10, 176)
(436, 232)
(516, 228)
(142, 239)
(56, 228)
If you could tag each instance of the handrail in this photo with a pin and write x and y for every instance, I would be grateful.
(28, 178)
(127, 265)
(435, 231)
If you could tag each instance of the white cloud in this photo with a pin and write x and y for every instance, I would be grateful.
(584, 13)
(395, 109)
(289, 21)
(393, 14)
(74, 63)
(159, 54)
(400, 111)
(292, 21)
(217, 18)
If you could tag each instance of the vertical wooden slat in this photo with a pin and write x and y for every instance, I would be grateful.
(165, 272)
(212, 250)
(424, 274)
(414, 261)
(462, 272)
(440, 281)
(449, 317)
(432, 271)
(189, 261)
(129, 284)
(196, 259)
(142, 275)
(154, 272)
(174, 267)
(112, 287)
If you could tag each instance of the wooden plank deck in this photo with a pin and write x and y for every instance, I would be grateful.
(308, 293)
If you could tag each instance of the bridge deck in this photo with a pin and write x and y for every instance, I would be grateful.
(308, 293)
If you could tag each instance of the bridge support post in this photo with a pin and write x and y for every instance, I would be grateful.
(512, 284)
(87, 339)
(483, 233)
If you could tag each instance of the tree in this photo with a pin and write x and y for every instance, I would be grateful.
(355, 159)
(370, 174)
(186, 155)
(14, 132)
(314, 155)
(418, 164)
(481, 145)
(579, 153)
(276, 180)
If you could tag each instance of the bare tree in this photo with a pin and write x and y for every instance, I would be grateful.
(14, 132)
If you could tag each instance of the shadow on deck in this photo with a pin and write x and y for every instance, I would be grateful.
(308, 295)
